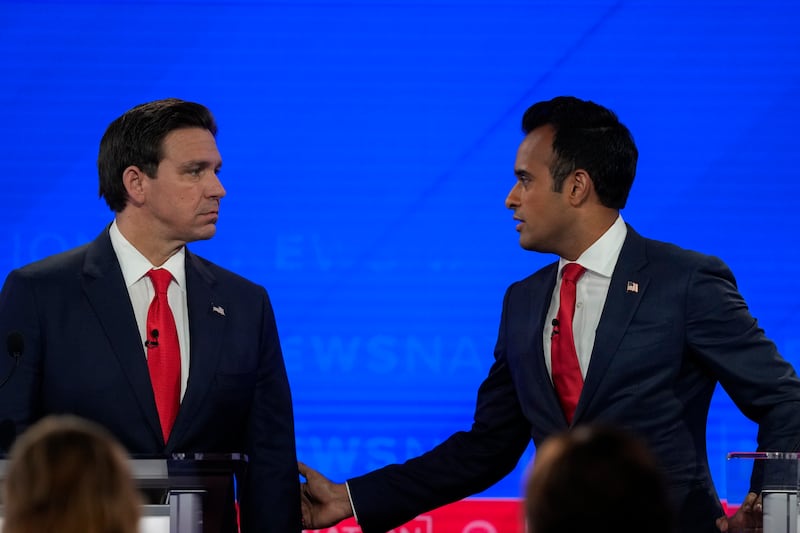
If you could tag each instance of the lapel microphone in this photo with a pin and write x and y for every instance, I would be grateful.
(15, 343)
(152, 343)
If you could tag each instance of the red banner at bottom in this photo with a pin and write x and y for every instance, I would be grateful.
(473, 515)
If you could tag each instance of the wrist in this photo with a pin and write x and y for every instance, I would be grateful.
(346, 502)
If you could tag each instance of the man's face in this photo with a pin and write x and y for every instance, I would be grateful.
(542, 213)
(183, 198)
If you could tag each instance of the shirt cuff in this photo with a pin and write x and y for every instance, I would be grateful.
(352, 506)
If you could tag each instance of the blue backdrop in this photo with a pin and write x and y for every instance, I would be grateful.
(368, 149)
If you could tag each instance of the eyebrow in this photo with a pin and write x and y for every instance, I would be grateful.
(198, 163)
(519, 172)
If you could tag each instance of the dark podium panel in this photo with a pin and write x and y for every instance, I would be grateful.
(192, 492)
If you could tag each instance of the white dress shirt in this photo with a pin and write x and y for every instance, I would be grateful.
(140, 289)
(599, 261)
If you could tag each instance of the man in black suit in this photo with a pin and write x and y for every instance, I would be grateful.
(89, 347)
(651, 328)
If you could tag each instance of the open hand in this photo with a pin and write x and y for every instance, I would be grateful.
(323, 503)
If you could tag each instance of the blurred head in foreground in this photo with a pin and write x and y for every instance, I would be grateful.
(596, 479)
(69, 475)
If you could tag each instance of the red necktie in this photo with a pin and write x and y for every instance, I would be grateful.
(163, 352)
(567, 378)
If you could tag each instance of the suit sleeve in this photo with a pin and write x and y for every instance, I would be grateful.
(465, 463)
(272, 503)
(721, 330)
(18, 397)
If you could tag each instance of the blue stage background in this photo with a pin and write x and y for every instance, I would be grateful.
(368, 149)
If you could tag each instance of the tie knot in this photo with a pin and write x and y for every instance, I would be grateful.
(161, 278)
(572, 272)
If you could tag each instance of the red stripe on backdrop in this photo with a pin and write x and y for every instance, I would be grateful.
(472, 515)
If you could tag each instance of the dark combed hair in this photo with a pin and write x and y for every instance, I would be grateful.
(136, 138)
(604, 480)
(589, 137)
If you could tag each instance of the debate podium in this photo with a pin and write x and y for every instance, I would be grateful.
(187, 492)
(777, 475)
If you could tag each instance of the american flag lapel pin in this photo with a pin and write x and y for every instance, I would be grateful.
(218, 309)
(632, 287)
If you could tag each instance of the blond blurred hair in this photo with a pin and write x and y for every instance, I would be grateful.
(69, 475)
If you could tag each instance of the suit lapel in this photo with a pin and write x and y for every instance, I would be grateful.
(539, 307)
(105, 289)
(628, 285)
(206, 327)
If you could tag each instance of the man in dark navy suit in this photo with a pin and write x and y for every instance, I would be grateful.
(89, 347)
(652, 327)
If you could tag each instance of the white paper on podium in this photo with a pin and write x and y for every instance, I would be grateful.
(155, 519)
(148, 524)
(154, 524)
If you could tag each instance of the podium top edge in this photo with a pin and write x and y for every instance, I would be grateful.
(159, 467)
(788, 456)
(194, 456)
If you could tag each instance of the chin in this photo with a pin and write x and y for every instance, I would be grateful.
(526, 244)
(206, 234)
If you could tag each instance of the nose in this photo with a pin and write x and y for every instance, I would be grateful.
(216, 190)
(512, 200)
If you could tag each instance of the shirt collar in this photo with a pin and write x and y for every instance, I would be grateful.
(135, 266)
(601, 257)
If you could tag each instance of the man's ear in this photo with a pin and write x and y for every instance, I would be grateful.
(133, 179)
(579, 186)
